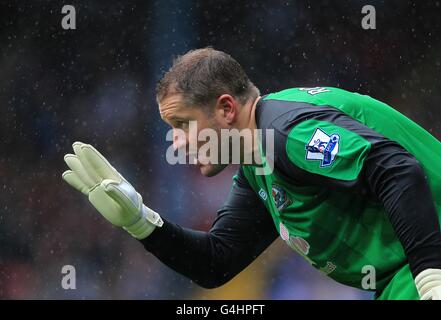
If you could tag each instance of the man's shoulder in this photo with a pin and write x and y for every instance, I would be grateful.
(297, 140)
(283, 109)
(271, 114)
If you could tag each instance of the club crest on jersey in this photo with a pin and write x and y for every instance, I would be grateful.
(323, 147)
(280, 198)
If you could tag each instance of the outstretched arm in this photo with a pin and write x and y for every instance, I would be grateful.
(242, 231)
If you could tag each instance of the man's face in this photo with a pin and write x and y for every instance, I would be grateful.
(174, 112)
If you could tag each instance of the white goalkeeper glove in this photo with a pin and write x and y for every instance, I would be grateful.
(109, 192)
(428, 283)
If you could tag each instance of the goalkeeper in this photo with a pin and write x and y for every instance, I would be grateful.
(355, 183)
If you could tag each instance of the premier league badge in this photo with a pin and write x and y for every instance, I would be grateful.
(323, 147)
(280, 198)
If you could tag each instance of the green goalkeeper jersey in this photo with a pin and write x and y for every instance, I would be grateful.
(348, 182)
(317, 194)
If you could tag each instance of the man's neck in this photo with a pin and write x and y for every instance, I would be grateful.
(249, 123)
(249, 115)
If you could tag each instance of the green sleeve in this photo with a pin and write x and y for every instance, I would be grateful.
(323, 148)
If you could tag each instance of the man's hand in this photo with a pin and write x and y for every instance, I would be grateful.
(109, 192)
(428, 284)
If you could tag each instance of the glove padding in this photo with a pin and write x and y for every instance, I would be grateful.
(428, 283)
(109, 192)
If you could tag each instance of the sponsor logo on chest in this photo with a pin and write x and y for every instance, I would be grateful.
(297, 243)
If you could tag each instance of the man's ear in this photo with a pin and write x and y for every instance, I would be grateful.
(226, 105)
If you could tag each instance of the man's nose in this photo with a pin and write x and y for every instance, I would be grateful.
(179, 140)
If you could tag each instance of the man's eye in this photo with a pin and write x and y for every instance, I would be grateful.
(182, 125)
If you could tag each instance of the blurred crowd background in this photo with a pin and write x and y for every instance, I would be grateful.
(96, 84)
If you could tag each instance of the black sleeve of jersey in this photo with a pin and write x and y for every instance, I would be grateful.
(242, 230)
(390, 174)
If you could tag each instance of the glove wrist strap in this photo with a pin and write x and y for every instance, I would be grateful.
(426, 281)
(145, 225)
